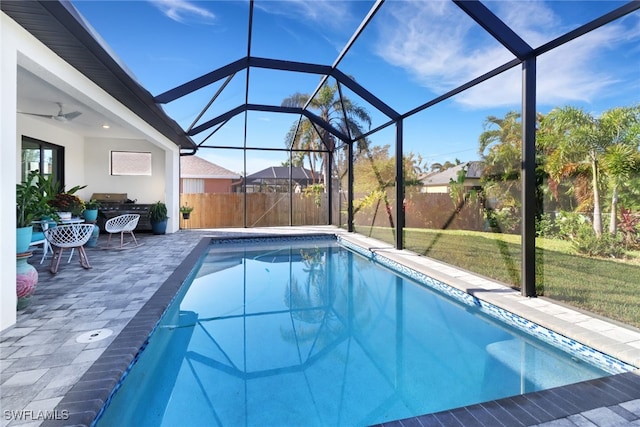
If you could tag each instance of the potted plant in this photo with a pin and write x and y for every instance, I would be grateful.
(67, 204)
(186, 210)
(158, 217)
(90, 213)
(28, 205)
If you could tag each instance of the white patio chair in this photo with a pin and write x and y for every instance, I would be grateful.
(122, 224)
(38, 238)
(68, 237)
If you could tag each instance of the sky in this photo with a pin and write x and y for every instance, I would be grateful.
(410, 53)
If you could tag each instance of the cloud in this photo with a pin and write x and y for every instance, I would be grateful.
(323, 13)
(430, 41)
(441, 49)
(183, 10)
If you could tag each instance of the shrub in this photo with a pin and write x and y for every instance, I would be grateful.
(570, 224)
(629, 226)
(546, 226)
(505, 220)
(608, 245)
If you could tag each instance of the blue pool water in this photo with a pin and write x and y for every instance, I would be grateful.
(310, 333)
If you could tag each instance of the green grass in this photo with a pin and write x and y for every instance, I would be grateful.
(610, 288)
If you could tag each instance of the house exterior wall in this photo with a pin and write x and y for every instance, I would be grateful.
(217, 185)
(469, 183)
(74, 149)
(191, 185)
(19, 48)
(8, 172)
(146, 189)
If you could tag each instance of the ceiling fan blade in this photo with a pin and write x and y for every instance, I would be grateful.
(72, 115)
(48, 116)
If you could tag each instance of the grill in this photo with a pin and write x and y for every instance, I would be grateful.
(114, 204)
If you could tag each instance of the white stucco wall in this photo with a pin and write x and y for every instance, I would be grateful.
(9, 161)
(73, 147)
(146, 189)
(84, 157)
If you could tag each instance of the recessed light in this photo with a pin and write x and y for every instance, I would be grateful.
(105, 126)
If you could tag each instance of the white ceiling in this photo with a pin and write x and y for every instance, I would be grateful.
(37, 96)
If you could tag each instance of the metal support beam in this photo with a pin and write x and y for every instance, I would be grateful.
(365, 94)
(528, 237)
(350, 189)
(202, 81)
(330, 187)
(399, 188)
(268, 108)
(494, 26)
(290, 189)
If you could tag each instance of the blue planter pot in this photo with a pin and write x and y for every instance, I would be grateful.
(90, 215)
(23, 239)
(93, 240)
(159, 227)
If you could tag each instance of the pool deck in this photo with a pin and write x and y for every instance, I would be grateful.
(46, 373)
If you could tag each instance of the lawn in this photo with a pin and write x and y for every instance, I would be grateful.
(610, 288)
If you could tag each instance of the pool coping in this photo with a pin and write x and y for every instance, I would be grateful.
(87, 398)
(618, 341)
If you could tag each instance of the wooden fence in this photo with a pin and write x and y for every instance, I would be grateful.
(213, 210)
(434, 211)
(425, 210)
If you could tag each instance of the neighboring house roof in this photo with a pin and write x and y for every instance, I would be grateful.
(197, 167)
(474, 171)
(282, 172)
(59, 26)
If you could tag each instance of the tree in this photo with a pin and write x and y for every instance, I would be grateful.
(573, 137)
(341, 113)
(621, 159)
(500, 146)
(439, 167)
(374, 169)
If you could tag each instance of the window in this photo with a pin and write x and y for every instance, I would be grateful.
(44, 157)
(192, 185)
(130, 163)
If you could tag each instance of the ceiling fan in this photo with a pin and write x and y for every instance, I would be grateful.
(60, 117)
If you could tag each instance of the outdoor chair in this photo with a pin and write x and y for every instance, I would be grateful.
(68, 237)
(122, 224)
(38, 238)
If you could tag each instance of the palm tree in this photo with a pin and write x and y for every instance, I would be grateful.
(341, 113)
(500, 146)
(573, 137)
(621, 160)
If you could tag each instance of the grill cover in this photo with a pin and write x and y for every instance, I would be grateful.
(110, 197)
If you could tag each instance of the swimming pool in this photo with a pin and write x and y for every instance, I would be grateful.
(313, 333)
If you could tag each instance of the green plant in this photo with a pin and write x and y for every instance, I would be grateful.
(92, 205)
(629, 226)
(315, 191)
(186, 209)
(570, 224)
(28, 201)
(546, 227)
(505, 220)
(158, 212)
(608, 245)
(67, 202)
